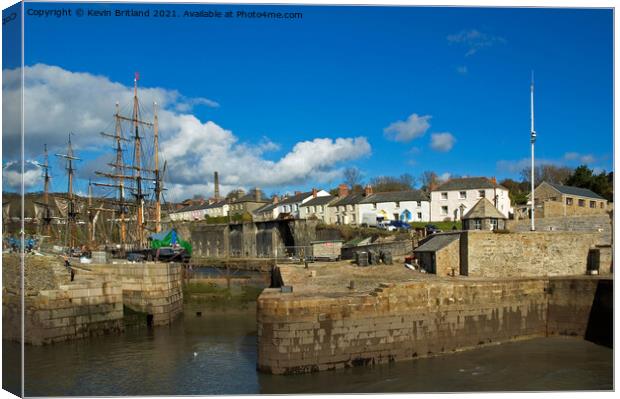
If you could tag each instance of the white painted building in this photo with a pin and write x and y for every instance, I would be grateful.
(406, 206)
(454, 198)
(317, 208)
(218, 209)
(291, 205)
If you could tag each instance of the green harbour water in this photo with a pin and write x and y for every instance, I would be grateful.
(216, 354)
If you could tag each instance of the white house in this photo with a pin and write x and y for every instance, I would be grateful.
(190, 213)
(454, 198)
(291, 205)
(218, 209)
(318, 208)
(406, 206)
(345, 208)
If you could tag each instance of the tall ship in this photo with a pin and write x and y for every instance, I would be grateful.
(130, 192)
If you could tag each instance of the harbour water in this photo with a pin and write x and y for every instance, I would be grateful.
(215, 353)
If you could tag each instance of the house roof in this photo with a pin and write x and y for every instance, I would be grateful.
(320, 200)
(483, 209)
(296, 198)
(266, 208)
(468, 183)
(350, 199)
(190, 208)
(218, 204)
(576, 191)
(393, 196)
(437, 242)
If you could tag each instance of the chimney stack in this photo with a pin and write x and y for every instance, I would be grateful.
(275, 199)
(343, 190)
(432, 186)
(257, 195)
(314, 192)
(216, 182)
(367, 190)
(493, 180)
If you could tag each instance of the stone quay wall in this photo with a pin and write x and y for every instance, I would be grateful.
(414, 319)
(592, 223)
(538, 253)
(151, 288)
(397, 248)
(74, 310)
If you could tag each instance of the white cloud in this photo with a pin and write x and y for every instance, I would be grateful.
(11, 175)
(444, 176)
(415, 126)
(462, 70)
(442, 141)
(582, 158)
(60, 101)
(474, 40)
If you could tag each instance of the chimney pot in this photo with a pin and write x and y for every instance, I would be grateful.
(314, 192)
(343, 190)
(368, 190)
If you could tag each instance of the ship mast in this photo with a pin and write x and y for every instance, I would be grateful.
(137, 155)
(71, 213)
(46, 187)
(158, 181)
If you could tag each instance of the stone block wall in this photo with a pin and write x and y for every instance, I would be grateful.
(448, 259)
(74, 310)
(395, 322)
(593, 223)
(539, 253)
(152, 288)
(397, 248)
(425, 318)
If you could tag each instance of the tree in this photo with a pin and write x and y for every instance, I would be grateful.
(547, 172)
(352, 177)
(389, 183)
(429, 179)
(517, 191)
(235, 194)
(584, 177)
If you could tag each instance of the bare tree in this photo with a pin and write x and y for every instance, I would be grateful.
(352, 177)
(427, 179)
(546, 172)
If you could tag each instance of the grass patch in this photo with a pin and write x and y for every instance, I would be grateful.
(444, 226)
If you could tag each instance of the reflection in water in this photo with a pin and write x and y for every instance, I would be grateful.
(216, 354)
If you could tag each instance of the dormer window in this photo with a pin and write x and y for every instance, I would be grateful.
(444, 196)
(462, 194)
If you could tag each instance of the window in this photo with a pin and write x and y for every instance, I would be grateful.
(311, 209)
(493, 224)
(477, 224)
(462, 194)
(319, 208)
(398, 204)
(444, 196)
(481, 193)
(582, 202)
(569, 201)
(350, 207)
(601, 204)
(592, 204)
(419, 215)
(444, 210)
(419, 204)
(374, 205)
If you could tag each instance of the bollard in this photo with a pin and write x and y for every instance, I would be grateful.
(351, 284)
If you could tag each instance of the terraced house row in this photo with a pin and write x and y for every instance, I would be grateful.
(453, 200)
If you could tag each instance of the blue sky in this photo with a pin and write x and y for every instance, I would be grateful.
(350, 73)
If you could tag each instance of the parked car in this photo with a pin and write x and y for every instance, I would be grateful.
(398, 224)
(432, 229)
